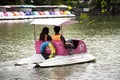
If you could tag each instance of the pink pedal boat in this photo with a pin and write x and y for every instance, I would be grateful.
(63, 56)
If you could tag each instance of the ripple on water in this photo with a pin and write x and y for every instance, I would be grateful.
(101, 42)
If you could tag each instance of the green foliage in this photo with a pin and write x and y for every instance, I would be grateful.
(47, 2)
(34, 2)
(12, 2)
(84, 16)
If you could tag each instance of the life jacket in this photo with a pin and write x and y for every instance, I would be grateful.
(56, 37)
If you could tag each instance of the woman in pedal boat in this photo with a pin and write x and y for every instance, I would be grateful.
(44, 35)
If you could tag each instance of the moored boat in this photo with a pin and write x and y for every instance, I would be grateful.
(20, 12)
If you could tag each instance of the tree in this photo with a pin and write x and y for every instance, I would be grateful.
(46, 2)
(12, 2)
(29, 2)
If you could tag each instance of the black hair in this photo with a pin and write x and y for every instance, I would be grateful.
(57, 29)
(45, 30)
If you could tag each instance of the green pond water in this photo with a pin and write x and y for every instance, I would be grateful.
(101, 35)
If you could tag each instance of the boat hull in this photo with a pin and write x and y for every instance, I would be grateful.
(67, 60)
(57, 60)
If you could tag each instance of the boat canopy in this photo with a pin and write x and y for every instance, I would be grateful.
(54, 21)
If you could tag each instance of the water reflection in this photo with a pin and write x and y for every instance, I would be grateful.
(59, 73)
(13, 37)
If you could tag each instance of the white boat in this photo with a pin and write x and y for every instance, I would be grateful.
(21, 12)
(67, 60)
(63, 56)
